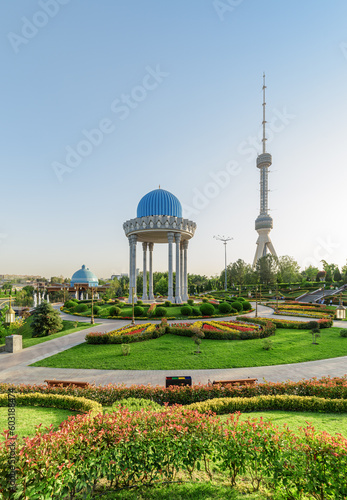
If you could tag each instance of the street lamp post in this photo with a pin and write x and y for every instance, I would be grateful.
(225, 241)
(92, 318)
(256, 301)
(132, 301)
(10, 315)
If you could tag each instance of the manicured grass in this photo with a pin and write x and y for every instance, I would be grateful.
(68, 327)
(172, 352)
(28, 417)
(331, 423)
(189, 490)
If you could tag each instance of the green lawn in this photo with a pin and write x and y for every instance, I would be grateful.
(68, 327)
(28, 417)
(331, 423)
(172, 352)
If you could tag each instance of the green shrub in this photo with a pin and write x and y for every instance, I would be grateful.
(80, 404)
(224, 308)
(167, 303)
(343, 332)
(190, 302)
(196, 311)
(81, 308)
(137, 404)
(139, 302)
(207, 309)
(272, 402)
(139, 311)
(186, 311)
(246, 305)
(237, 305)
(160, 312)
(114, 311)
(70, 304)
(96, 309)
(205, 300)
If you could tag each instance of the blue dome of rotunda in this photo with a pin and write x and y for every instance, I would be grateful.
(83, 275)
(159, 202)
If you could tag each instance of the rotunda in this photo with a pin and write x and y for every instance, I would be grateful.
(85, 276)
(159, 220)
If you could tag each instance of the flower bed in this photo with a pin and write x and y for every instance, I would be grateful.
(217, 330)
(156, 446)
(287, 323)
(309, 314)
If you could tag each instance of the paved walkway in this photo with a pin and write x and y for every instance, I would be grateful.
(14, 367)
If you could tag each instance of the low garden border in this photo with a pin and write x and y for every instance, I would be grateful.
(51, 400)
(278, 402)
(326, 387)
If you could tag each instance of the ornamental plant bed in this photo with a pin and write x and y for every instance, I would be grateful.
(217, 330)
(156, 446)
(325, 387)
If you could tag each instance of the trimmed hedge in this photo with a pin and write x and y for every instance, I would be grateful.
(66, 402)
(278, 402)
(284, 323)
(224, 308)
(160, 312)
(326, 387)
(139, 311)
(186, 310)
(207, 309)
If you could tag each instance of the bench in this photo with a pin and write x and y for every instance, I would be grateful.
(240, 381)
(65, 383)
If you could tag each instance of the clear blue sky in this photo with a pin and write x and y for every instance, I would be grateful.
(193, 71)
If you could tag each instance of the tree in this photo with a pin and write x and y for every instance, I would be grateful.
(24, 299)
(310, 273)
(46, 320)
(266, 269)
(239, 273)
(161, 287)
(337, 275)
(320, 276)
(289, 269)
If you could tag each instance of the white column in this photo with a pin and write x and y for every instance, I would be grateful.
(150, 247)
(170, 238)
(185, 271)
(181, 272)
(82, 296)
(76, 294)
(132, 267)
(178, 299)
(144, 294)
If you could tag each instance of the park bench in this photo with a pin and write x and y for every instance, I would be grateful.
(65, 383)
(240, 381)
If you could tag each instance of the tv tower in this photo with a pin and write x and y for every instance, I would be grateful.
(264, 223)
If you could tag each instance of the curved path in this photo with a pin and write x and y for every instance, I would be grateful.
(14, 367)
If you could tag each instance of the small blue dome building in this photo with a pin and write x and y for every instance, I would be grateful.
(159, 202)
(85, 276)
(159, 220)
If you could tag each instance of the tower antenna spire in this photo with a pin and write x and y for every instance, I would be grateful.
(264, 121)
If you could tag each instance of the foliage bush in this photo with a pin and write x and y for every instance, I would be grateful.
(326, 387)
(66, 402)
(81, 308)
(156, 446)
(224, 308)
(139, 302)
(190, 302)
(286, 323)
(343, 332)
(207, 309)
(160, 312)
(70, 304)
(45, 320)
(273, 402)
(167, 303)
(186, 310)
(196, 311)
(246, 305)
(114, 311)
(137, 404)
(237, 305)
(139, 311)
(96, 309)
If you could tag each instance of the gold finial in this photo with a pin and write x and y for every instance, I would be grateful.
(159, 186)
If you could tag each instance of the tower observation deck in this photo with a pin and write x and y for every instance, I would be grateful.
(264, 222)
